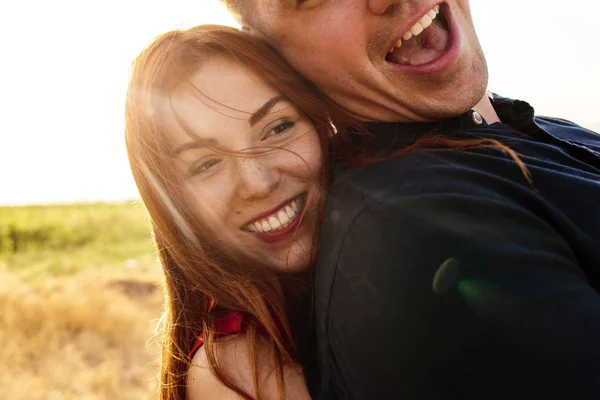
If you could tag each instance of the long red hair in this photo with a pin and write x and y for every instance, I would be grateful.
(201, 280)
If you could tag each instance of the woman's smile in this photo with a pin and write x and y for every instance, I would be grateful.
(277, 225)
(243, 146)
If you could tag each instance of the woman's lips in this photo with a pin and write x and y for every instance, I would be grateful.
(280, 222)
(282, 234)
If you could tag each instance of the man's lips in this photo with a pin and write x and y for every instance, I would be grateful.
(420, 22)
(424, 48)
(436, 49)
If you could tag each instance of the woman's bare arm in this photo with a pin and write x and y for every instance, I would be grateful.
(235, 361)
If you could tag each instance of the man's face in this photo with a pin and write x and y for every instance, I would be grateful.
(349, 49)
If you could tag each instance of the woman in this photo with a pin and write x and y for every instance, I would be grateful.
(229, 148)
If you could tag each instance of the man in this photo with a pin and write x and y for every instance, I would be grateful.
(445, 274)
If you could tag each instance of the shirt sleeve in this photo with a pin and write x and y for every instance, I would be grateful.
(454, 295)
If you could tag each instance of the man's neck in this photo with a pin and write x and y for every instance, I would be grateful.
(485, 108)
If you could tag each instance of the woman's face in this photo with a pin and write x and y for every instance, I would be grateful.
(251, 201)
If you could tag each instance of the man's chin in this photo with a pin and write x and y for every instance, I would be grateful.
(448, 111)
(455, 102)
(459, 91)
(445, 108)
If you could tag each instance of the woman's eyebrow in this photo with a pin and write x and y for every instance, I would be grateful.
(264, 109)
(196, 144)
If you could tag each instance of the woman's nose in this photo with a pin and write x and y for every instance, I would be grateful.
(256, 178)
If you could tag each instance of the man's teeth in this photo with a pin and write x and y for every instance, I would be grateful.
(277, 221)
(424, 23)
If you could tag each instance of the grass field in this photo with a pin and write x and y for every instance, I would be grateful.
(79, 300)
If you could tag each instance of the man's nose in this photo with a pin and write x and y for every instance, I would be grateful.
(382, 6)
(256, 178)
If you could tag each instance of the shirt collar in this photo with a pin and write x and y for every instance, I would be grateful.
(516, 113)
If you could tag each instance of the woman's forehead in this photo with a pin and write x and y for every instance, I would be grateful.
(222, 83)
(220, 97)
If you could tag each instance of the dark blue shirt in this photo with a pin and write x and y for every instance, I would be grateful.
(446, 274)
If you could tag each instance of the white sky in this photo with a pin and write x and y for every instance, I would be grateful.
(64, 68)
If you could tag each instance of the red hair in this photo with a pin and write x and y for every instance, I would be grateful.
(202, 280)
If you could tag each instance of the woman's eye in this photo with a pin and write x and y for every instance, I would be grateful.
(279, 129)
(203, 167)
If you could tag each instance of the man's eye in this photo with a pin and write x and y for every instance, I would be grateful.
(279, 129)
(203, 167)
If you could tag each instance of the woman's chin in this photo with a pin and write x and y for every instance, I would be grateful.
(296, 260)
(289, 256)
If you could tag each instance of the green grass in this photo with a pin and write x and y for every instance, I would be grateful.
(79, 300)
(42, 241)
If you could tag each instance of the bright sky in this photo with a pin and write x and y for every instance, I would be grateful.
(65, 64)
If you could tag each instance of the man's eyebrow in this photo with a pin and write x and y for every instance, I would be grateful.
(263, 110)
(199, 143)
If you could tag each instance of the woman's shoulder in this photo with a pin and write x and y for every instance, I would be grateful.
(232, 353)
(236, 360)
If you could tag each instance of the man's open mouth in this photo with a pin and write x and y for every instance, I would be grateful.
(424, 42)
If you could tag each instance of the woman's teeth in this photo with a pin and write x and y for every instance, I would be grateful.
(424, 23)
(278, 220)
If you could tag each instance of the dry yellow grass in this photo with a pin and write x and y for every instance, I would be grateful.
(79, 302)
(78, 337)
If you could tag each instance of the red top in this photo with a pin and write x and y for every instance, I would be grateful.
(232, 323)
